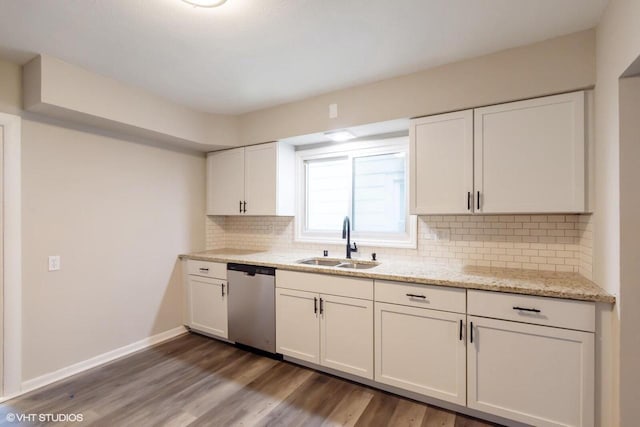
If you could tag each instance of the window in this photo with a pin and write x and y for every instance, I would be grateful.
(367, 181)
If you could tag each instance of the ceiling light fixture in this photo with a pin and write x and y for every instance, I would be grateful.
(339, 135)
(205, 3)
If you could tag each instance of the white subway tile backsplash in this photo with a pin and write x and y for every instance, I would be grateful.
(539, 242)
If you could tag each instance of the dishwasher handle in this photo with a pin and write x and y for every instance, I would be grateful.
(252, 270)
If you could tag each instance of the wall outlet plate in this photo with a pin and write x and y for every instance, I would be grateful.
(443, 234)
(54, 262)
(333, 111)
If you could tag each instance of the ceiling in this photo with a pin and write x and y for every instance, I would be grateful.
(252, 54)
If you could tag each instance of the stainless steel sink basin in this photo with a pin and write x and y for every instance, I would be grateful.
(358, 265)
(339, 263)
(321, 261)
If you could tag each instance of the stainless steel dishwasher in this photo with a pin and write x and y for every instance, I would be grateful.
(252, 306)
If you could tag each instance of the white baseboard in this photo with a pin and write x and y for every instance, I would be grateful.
(101, 359)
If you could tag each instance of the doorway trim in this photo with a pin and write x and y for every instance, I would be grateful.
(12, 256)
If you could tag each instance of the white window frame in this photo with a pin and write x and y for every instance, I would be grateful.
(351, 150)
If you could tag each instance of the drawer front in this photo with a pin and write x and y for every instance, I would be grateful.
(353, 287)
(561, 313)
(216, 270)
(424, 296)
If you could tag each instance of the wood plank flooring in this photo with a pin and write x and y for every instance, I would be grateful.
(196, 381)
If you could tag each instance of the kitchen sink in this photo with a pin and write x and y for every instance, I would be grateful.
(321, 261)
(358, 265)
(339, 263)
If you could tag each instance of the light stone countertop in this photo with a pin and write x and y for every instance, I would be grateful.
(529, 282)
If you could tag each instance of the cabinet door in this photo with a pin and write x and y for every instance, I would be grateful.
(346, 335)
(442, 163)
(260, 179)
(530, 155)
(225, 182)
(421, 350)
(298, 325)
(538, 375)
(207, 305)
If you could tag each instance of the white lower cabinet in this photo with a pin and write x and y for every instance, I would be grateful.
(346, 335)
(207, 305)
(335, 331)
(297, 324)
(524, 358)
(421, 350)
(538, 375)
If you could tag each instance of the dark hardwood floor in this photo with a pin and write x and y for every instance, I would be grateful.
(196, 381)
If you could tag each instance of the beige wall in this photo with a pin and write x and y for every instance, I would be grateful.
(557, 65)
(10, 83)
(56, 88)
(617, 46)
(629, 249)
(118, 213)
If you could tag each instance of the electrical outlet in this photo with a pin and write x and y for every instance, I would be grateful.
(333, 111)
(54, 262)
(443, 234)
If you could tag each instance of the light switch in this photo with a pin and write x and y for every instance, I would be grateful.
(333, 111)
(54, 262)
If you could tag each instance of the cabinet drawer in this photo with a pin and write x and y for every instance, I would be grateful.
(561, 313)
(208, 269)
(435, 297)
(354, 287)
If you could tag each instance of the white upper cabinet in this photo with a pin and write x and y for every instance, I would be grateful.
(225, 182)
(254, 180)
(442, 163)
(530, 155)
(260, 168)
(520, 157)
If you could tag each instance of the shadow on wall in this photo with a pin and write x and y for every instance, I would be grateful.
(169, 314)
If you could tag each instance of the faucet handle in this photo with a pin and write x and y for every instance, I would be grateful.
(325, 252)
(373, 256)
(355, 247)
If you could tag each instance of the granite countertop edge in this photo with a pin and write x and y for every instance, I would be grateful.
(527, 282)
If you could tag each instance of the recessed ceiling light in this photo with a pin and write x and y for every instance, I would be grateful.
(205, 3)
(339, 135)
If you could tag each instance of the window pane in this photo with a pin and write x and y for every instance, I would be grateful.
(379, 199)
(328, 185)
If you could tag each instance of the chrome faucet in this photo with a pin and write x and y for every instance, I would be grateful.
(346, 234)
